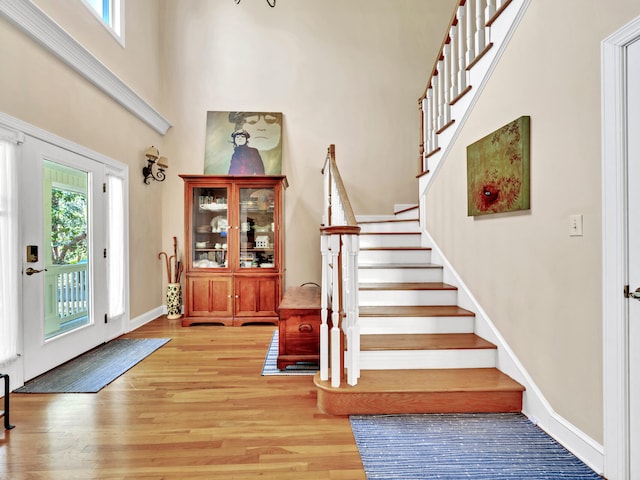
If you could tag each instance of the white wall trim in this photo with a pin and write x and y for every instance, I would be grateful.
(535, 405)
(36, 132)
(39, 26)
(614, 257)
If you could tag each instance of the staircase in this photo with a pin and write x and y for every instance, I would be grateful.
(419, 352)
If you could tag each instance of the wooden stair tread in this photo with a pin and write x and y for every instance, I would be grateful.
(406, 286)
(424, 341)
(408, 209)
(398, 265)
(390, 233)
(427, 381)
(396, 249)
(414, 311)
(390, 220)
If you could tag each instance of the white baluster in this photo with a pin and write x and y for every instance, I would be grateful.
(438, 89)
(446, 87)
(425, 133)
(327, 194)
(453, 53)
(433, 111)
(462, 53)
(480, 27)
(428, 121)
(336, 344)
(462, 50)
(490, 10)
(354, 346)
(355, 313)
(469, 29)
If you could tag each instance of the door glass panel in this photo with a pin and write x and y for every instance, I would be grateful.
(210, 225)
(66, 220)
(256, 228)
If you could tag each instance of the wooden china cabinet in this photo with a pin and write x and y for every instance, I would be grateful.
(234, 248)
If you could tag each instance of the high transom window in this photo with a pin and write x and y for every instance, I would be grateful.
(111, 14)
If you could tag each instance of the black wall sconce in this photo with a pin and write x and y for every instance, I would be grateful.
(153, 158)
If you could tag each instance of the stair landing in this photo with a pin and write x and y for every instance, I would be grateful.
(422, 391)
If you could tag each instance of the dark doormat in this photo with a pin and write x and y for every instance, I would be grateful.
(92, 371)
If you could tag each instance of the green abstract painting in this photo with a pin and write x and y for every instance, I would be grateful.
(498, 170)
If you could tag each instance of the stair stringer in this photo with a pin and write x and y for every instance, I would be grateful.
(534, 403)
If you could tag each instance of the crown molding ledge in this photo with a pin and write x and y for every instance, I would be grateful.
(39, 26)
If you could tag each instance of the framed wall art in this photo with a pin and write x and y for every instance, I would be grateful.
(243, 143)
(498, 165)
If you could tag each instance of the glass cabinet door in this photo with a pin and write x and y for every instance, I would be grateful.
(210, 223)
(256, 226)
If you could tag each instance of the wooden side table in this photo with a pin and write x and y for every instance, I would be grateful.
(299, 326)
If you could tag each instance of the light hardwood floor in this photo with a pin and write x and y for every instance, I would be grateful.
(198, 408)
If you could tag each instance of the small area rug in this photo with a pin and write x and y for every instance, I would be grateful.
(92, 371)
(270, 362)
(480, 446)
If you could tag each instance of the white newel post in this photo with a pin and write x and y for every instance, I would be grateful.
(324, 312)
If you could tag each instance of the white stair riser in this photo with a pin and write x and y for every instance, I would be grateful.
(379, 257)
(372, 275)
(418, 359)
(390, 240)
(407, 297)
(415, 325)
(407, 226)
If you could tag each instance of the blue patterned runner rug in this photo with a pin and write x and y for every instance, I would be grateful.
(92, 371)
(481, 446)
(270, 366)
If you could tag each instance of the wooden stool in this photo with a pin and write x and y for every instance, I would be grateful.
(5, 414)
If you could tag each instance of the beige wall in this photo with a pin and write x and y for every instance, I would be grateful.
(541, 287)
(348, 73)
(39, 89)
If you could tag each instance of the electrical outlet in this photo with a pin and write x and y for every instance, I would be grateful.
(575, 225)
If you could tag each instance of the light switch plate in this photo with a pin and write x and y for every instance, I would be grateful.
(575, 225)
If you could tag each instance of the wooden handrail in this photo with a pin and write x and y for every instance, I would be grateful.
(339, 245)
(342, 191)
(447, 39)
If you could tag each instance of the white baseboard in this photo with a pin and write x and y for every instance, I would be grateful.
(146, 317)
(535, 405)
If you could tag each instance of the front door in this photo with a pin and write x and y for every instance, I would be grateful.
(64, 270)
(633, 211)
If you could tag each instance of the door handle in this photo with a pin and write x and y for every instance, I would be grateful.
(630, 294)
(31, 271)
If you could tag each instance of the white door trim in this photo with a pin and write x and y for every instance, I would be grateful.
(121, 324)
(614, 257)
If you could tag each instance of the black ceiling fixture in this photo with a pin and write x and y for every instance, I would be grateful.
(272, 3)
